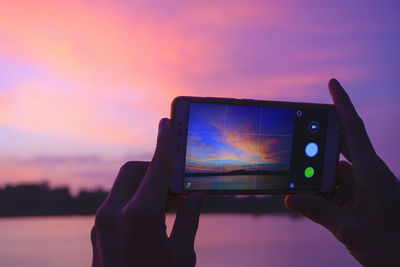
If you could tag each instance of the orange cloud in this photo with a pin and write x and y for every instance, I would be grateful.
(250, 149)
(258, 150)
(226, 156)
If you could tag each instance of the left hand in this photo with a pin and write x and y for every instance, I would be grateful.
(130, 225)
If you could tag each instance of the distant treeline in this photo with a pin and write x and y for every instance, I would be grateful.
(41, 200)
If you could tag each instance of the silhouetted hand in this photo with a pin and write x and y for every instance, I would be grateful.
(364, 211)
(130, 225)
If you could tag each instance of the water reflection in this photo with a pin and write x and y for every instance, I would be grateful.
(223, 240)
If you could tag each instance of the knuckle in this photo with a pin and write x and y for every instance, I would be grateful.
(131, 167)
(93, 236)
(106, 216)
(142, 216)
(128, 166)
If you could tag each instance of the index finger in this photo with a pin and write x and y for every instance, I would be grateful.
(128, 180)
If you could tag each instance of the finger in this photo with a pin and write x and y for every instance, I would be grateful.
(317, 209)
(173, 202)
(187, 220)
(185, 228)
(358, 143)
(96, 260)
(349, 198)
(345, 176)
(344, 173)
(128, 180)
(152, 190)
(342, 197)
(344, 148)
(337, 196)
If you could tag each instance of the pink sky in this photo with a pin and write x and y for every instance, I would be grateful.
(83, 84)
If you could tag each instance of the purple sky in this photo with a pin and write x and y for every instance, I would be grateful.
(83, 84)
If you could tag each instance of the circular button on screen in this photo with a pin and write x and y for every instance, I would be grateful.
(309, 172)
(313, 127)
(311, 149)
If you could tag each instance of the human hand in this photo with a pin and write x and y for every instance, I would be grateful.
(364, 211)
(130, 225)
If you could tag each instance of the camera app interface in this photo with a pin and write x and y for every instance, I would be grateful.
(232, 147)
(243, 147)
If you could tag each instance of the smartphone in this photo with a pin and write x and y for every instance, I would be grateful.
(243, 146)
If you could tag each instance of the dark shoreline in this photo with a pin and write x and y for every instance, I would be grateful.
(41, 200)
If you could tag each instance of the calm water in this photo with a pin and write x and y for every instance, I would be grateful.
(223, 240)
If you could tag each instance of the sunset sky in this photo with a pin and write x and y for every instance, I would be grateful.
(83, 84)
(223, 138)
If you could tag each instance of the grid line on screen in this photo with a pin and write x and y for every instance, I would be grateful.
(258, 144)
(223, 148)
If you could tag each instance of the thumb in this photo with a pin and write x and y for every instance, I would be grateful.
(151, 193)
(187, 221)
(317, 209)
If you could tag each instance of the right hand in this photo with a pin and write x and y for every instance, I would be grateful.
(364, 211)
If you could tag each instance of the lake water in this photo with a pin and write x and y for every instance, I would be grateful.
(222, 240)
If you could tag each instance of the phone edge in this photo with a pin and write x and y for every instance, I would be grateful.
(330, 158)
(331, 155)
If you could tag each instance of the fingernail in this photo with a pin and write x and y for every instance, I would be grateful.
(335, 85)
(291, 201)
(334, 81)
(162, 124)
(335, 89)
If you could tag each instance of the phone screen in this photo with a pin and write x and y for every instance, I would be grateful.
(246, 147)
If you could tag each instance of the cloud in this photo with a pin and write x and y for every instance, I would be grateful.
(62, 160)
(103, 73)
(114, 65)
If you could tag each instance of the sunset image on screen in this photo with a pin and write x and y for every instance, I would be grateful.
(232, 147)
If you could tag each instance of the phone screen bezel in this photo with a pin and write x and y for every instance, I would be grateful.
(179, 117)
